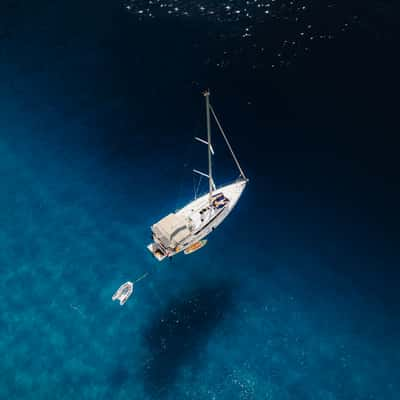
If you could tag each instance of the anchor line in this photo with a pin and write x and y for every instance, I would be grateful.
(142, 277)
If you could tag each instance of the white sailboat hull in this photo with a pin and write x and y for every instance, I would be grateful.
(201, 219)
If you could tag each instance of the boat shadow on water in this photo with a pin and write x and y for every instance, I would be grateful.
(178, 333)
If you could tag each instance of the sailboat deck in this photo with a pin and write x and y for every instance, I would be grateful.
(198, 216)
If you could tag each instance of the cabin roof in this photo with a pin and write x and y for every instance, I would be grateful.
(172, 229)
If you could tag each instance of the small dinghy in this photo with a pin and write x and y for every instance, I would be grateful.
(123, 293)
(195, 246)
(125, 290)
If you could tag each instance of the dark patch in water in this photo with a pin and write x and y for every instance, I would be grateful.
(179, 332)
(119, 376)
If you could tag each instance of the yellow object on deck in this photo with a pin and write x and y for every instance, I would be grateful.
(195, 246)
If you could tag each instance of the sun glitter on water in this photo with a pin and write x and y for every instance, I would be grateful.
(270, 33)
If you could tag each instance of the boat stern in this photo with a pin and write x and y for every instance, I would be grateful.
(156, 251)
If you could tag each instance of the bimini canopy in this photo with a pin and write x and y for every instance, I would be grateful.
(171, 230)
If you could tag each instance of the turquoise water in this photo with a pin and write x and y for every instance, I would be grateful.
(238, 319)
(290, 299)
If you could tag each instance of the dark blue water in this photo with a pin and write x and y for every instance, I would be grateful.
(296, 294)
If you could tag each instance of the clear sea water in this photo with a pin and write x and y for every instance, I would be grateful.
(294, 297)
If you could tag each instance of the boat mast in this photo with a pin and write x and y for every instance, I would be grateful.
(210, 179)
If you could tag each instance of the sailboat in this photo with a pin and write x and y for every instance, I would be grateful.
(185, 229)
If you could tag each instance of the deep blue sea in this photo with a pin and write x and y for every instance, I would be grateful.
(295, 297)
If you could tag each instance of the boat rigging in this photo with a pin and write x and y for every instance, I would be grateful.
(185, 229)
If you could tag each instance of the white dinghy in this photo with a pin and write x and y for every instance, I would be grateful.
(123, 293)
(125, 290)
(186, 228)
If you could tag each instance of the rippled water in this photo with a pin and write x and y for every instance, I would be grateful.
(294, 296)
